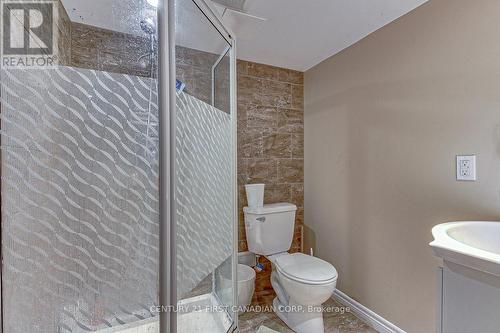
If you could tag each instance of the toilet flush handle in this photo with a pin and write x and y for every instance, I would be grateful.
(261, 219)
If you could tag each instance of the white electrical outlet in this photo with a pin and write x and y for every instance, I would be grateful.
(466, 168)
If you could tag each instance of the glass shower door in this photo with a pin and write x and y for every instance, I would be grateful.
(204, 171)
(79, 167)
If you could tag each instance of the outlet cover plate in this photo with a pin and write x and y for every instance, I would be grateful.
(466, 168)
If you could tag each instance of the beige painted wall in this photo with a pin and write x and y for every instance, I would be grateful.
(383, 122)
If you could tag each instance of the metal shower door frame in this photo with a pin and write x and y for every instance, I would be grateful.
(167, 118)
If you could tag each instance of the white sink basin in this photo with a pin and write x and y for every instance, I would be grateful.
(474, 244)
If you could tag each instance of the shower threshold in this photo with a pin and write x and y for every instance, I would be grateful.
(204, 314)
(200, 314)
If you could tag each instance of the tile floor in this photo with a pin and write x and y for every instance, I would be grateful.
(250, 322)
(335, 322)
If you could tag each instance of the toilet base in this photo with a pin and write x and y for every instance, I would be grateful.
(300, 318)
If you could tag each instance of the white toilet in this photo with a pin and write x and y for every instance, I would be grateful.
(302, 283)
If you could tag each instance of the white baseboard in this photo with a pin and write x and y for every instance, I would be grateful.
(368, 316)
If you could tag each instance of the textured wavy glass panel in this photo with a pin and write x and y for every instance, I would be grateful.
(79, 199)
(203, 190)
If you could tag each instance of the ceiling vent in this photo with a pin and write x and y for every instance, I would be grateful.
(236, 6)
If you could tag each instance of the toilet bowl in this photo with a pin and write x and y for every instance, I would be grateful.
(302, 283)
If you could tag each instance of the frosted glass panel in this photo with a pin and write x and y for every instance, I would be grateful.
(79, 199)
(204, 180)
(204, 190)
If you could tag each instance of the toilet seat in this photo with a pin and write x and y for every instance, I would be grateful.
(306, 269)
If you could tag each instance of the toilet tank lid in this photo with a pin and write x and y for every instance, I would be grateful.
(271, 209)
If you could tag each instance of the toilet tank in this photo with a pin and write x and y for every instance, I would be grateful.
(270, 228)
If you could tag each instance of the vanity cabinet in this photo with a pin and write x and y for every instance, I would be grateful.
(468, 300)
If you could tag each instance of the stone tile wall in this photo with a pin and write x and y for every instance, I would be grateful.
(110, 51)
(64, 35)
(194, 68)
(270, 146)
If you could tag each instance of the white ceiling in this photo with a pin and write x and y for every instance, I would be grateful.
(297, 34)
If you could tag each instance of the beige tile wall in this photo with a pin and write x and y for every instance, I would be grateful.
(270, 146)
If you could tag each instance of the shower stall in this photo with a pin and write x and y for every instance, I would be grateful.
(118, 162)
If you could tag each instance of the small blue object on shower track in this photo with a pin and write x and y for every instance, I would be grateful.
(179, 86)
